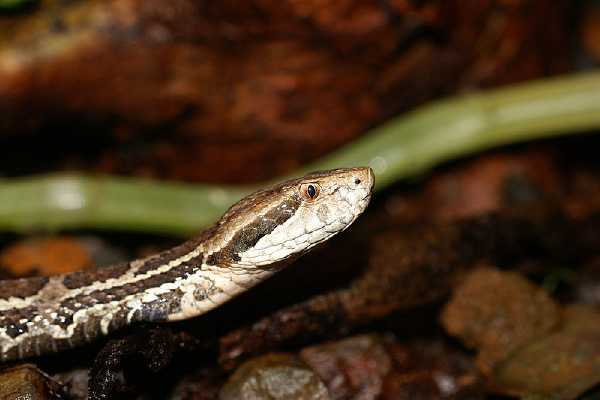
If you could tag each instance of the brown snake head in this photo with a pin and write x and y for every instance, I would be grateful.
(288, 219)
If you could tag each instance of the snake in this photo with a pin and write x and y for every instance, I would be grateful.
(258, 236)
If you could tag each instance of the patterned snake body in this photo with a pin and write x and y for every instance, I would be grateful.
(255, 238)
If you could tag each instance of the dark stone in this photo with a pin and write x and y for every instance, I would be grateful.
(274, 377)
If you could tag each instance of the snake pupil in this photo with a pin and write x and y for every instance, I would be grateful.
(312, 192)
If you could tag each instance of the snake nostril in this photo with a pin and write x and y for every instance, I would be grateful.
(357, 181)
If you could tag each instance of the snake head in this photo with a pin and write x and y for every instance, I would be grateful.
(286, 220)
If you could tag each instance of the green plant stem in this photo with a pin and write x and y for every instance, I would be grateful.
(403, 147)
(53, 202)
(417, 141)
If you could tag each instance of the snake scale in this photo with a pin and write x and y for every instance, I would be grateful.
(255, 238)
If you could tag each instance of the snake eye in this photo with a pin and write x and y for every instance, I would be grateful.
(310, 190)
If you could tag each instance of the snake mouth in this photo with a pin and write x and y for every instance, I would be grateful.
(371, 180)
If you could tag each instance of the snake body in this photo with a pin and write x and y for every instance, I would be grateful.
(255, 238)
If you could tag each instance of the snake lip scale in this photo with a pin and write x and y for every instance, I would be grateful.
(255, 238)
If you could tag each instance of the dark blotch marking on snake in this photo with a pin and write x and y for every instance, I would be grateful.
(155, 311)
(11, 320)
(22, 288)
(70, 306)
(167, 256)
(253, 232)
(159, 309)
(88, 277)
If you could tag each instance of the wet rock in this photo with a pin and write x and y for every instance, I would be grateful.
(497, 312)
(28, 382)
(562, 365)
(353, 368)
(274, 377)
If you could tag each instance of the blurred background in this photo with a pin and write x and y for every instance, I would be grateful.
(475, 272)
(181, 89)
